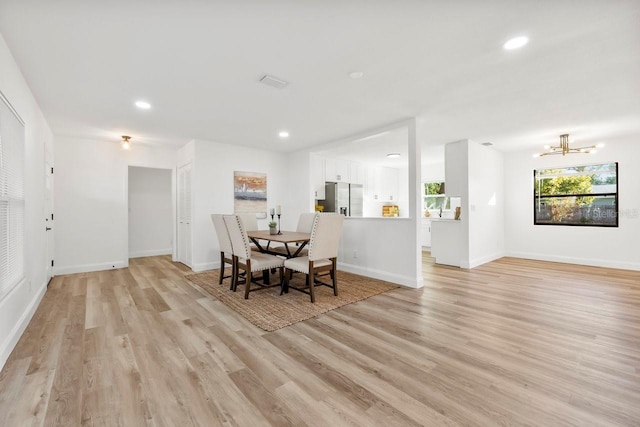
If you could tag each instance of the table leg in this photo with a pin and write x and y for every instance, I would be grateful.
(299, 249)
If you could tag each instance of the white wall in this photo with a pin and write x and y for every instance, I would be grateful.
(300, 194)
(474, 173)
(150, 212)
(486, 204)
(600, 246)
(403, 192)
(433, 172)
(91, 200)
(18, 306)
(212, 175)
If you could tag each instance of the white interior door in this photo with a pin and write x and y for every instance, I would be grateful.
(48, 220)
(184, 214)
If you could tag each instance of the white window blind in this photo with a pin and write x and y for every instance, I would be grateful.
(11, 197)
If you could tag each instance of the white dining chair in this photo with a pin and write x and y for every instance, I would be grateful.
(226, 251)
(247, 260)
(322, 256)
(305, 224)
(250, 221)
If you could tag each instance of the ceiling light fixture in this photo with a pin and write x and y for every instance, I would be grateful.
(143, 105)
(393, 155)
(126, 145)
(283, 134)
(356, 74)
(563, 148)
(516, 43)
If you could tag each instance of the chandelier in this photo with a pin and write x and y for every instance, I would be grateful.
(563, 148)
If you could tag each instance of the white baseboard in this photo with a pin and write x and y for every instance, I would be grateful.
(86, 268)
(622, 265)
(14, 336)
(152, 252)
(408, 281)
(204, 266)
(482, 260)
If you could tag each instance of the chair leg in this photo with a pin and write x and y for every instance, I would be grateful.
(334, 276)
(234, 274)
(310, 279)
(247, 284)
(221, 268)
(285, 288)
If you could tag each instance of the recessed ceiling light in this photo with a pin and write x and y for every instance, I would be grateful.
(283, 134)
(144, 105)
(516, 43)
(393, 155)
(356, 74)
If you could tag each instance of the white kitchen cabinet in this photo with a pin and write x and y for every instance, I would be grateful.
(447, 242)
(317, 166)
(373, 183)
(382, 184)
(426, 233)
(337, 170)
(357, 173)
(389, 184)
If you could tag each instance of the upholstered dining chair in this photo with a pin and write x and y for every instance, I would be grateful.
(247, 260)
(323, 255)
(305, 224)
(249, 220)
(226, 251)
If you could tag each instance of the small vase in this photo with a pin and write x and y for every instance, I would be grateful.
(273, 230)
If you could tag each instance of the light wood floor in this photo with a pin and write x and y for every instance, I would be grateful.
(513, 342)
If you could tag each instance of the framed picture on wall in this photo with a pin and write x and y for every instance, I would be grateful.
(249, 192)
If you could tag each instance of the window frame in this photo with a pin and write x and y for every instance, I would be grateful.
(446, 199)
(616, 196)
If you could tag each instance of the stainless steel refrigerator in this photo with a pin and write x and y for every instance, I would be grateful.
(343, 198)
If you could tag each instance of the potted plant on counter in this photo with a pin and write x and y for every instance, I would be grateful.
(272, 227)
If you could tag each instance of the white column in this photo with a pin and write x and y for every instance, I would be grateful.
(415, 196)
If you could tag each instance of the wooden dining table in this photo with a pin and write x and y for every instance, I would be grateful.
(286, 237)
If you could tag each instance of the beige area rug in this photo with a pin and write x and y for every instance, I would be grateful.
(269, 310)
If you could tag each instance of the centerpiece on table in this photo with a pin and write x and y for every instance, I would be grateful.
(273, 227)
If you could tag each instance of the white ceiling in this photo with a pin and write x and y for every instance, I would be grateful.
(373, 149)
(198, 64)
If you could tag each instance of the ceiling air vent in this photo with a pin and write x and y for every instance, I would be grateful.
(487, 144)
(273, 81)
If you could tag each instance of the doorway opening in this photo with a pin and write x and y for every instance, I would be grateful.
(150, 212)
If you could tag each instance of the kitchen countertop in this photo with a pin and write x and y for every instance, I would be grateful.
(376, 217)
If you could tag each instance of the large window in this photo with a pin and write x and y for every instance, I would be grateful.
(577, 195)
(11, 198)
